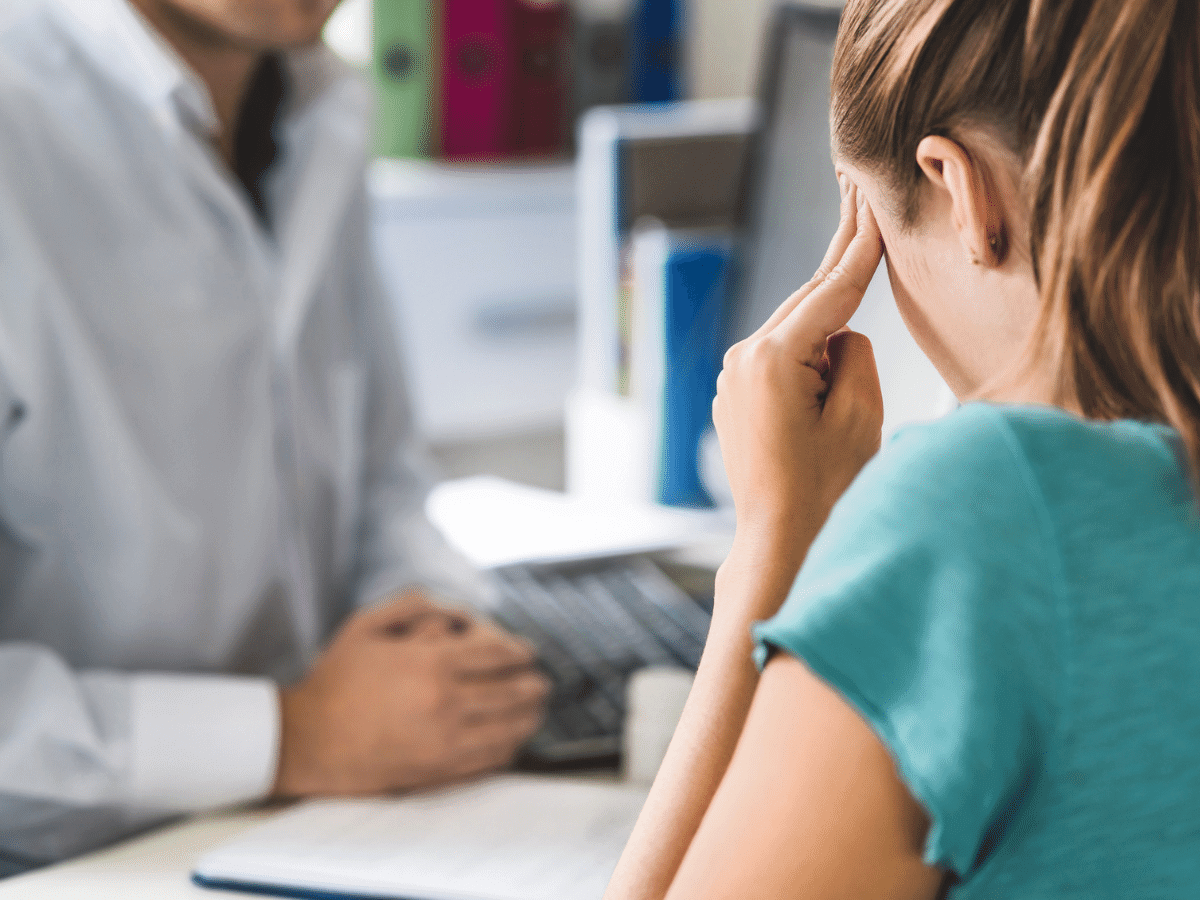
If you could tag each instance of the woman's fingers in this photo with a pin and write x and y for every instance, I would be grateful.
(828, 308)
(855, 399)
(847, 227)
(797, 407)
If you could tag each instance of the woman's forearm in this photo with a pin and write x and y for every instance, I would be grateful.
(799, 412)
(750, 587)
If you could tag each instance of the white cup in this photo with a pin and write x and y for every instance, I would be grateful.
(654, 702)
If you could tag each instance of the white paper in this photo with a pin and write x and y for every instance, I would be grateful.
(507, 838)
(495, 523)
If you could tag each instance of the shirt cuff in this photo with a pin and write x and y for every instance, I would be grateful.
(201, 742)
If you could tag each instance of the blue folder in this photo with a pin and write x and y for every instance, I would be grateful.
(656, 51)
(695, 346)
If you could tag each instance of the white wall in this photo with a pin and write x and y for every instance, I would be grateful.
(349, 31)
(726, 43)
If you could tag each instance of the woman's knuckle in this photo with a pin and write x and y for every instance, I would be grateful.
(848, 277)
(760, 353)
(865, 422)
(836, 275)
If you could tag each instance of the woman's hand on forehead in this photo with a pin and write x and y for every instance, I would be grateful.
(799, 409)
(835, 292)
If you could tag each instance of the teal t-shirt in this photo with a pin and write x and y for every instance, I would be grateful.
(1011, 598)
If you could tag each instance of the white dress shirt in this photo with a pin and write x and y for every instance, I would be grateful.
(206, 459)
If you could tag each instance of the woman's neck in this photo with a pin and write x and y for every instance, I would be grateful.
(1036, 379)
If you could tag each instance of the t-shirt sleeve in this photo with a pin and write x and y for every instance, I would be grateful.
(930, 601)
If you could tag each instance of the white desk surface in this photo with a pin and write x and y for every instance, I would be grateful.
(156, 866)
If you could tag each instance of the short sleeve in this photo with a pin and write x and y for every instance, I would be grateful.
(931, 602)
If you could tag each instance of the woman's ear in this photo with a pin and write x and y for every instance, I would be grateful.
(978, 212)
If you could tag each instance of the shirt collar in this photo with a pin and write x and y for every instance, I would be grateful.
(122, 43)
(327, 104)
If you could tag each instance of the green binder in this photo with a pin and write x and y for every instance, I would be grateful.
(405, 38)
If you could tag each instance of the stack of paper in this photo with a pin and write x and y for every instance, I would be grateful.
(497, 523)
(508, 838)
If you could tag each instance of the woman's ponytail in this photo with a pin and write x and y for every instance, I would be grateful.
(1114, 180)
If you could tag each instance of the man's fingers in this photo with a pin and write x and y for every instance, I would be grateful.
(491, 744)
(511, 731)
(847, 227)
(834, 301)
(505, 697)
(485, 650)
(488, 742)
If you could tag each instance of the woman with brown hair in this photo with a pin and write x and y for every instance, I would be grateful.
(985, 679)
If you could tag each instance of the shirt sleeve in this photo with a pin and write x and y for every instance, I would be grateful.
(86, 757)
(398, 545)
(930, 601)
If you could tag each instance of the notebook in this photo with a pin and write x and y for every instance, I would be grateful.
(403, 37)
(476, 80)
(539, 105)
(657, 57)
(600, 53)
(511, 837)
(678, 341)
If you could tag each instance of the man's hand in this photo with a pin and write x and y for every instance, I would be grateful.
(408, 695)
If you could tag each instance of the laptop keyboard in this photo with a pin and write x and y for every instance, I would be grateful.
(595, 623)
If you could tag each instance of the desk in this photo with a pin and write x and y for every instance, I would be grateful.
(156, 866)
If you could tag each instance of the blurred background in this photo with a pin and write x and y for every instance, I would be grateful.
(579, 204)
(478, 244)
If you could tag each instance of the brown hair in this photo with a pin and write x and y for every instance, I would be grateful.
(1099, 100)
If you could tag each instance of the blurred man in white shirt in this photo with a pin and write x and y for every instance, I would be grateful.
(206, 464)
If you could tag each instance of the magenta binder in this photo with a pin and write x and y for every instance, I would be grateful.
(477, 79)
(540, 34)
